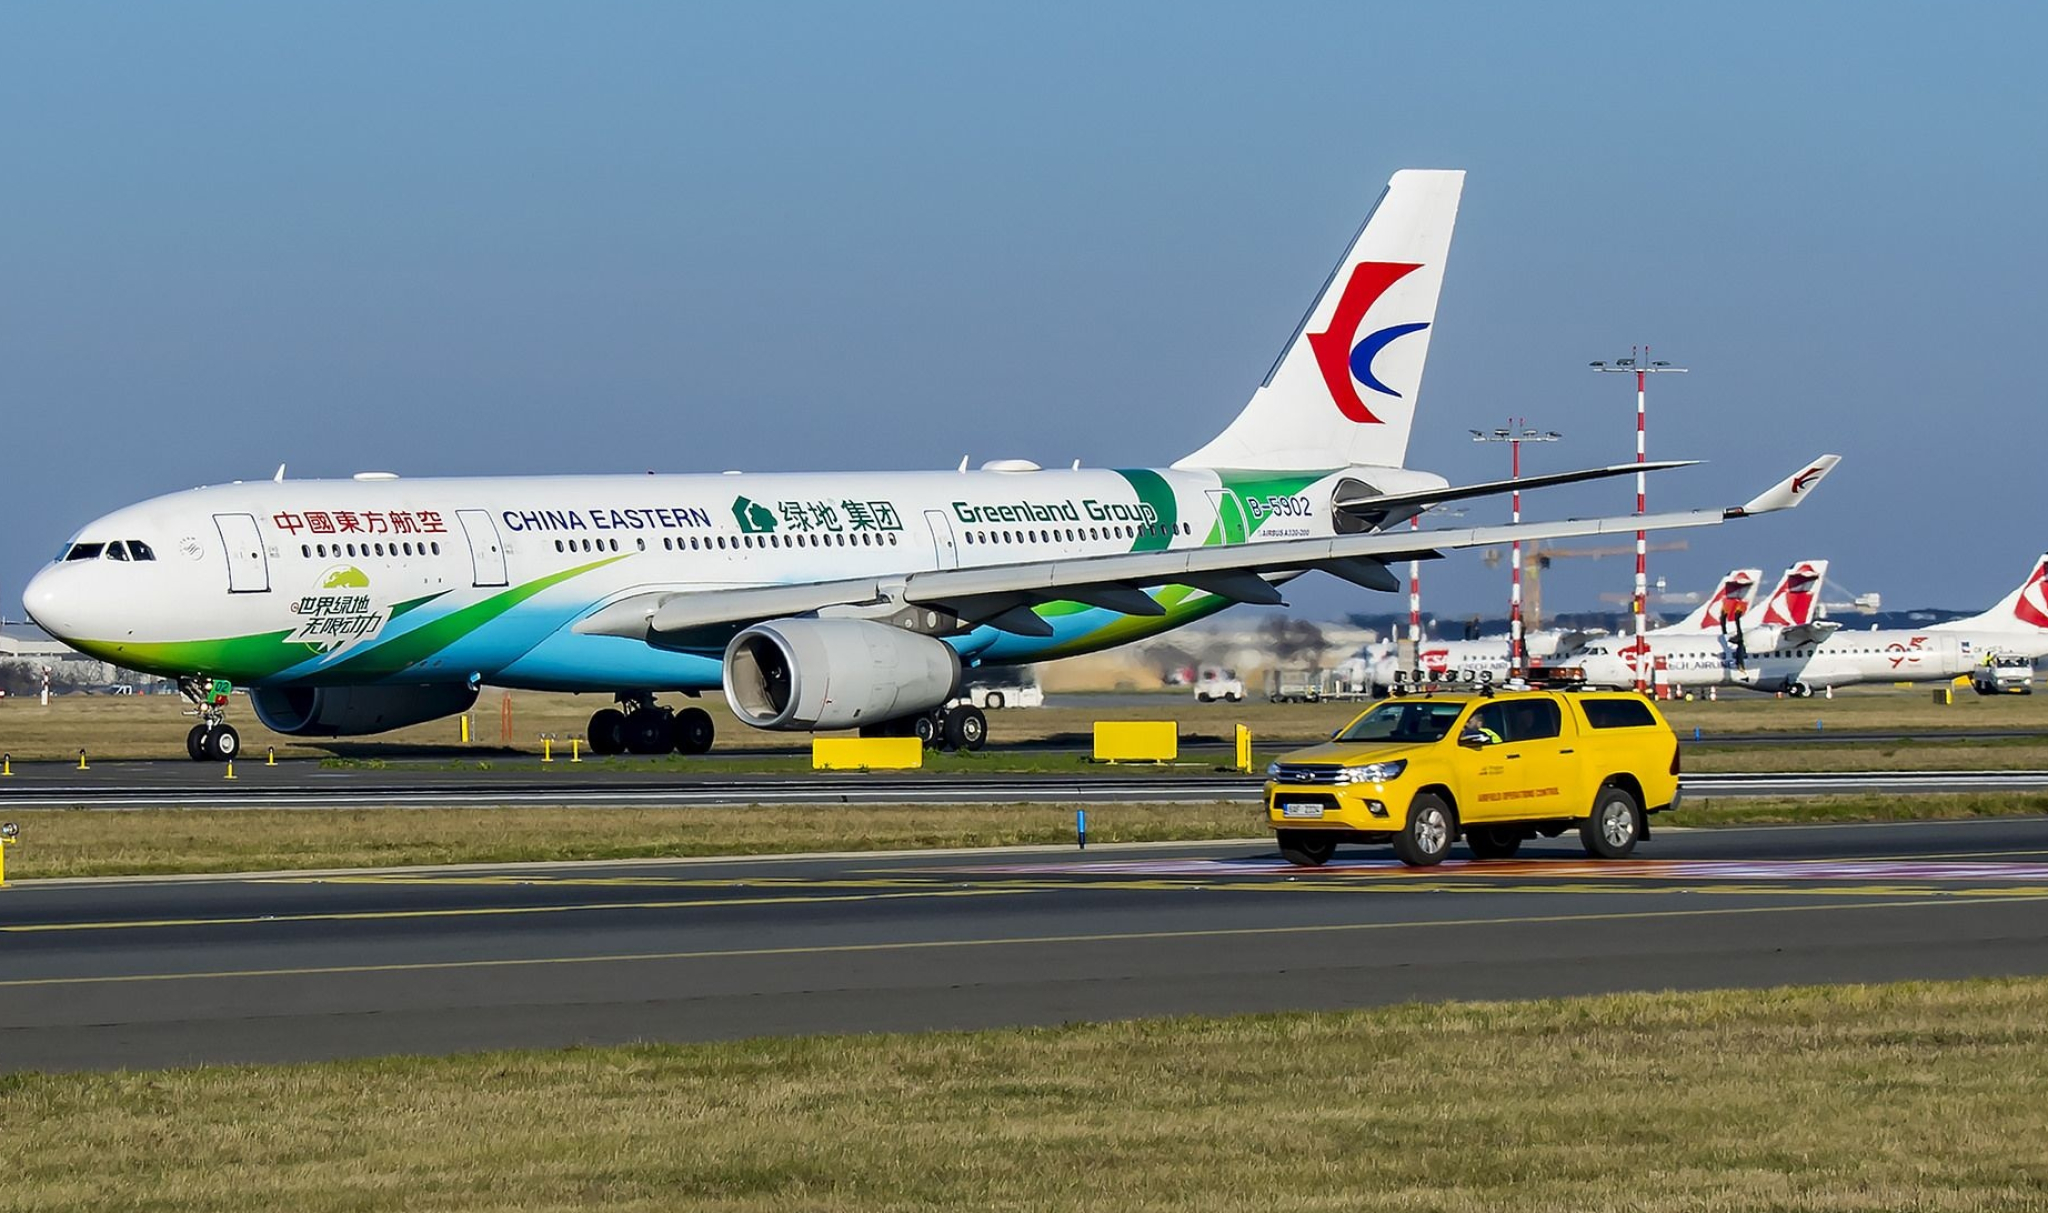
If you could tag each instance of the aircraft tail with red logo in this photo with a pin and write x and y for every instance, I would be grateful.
(1739, 585)
(2025, 610)
(1795, 602)
(1343, 391)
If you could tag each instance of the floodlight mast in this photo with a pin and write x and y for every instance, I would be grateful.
(1642, 367)
(1515, 434)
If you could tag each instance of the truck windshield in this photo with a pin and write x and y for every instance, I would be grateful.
(1404, 722)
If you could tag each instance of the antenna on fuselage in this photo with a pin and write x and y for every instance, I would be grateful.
(279, 478)
(963, 463)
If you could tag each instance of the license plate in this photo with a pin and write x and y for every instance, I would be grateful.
(1300, 810)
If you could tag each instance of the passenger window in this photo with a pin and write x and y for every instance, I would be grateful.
(1532, 720)
(1617, 713)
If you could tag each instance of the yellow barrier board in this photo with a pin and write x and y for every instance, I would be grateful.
(1136, 741)
(1244, 749)
(866, 753)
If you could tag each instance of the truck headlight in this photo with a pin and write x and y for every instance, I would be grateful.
(1272, 770)
(1376, 772)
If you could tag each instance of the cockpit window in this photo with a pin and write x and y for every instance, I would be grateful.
(117, 550)
(84, 551)
(140, 550)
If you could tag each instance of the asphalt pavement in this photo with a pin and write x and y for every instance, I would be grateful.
(153, 972)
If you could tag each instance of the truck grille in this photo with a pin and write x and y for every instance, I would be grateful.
(1323, 775)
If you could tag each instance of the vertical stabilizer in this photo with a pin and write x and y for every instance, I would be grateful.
(2025, 610)
(1344, 389)
(1796, 601)
(1738, 586)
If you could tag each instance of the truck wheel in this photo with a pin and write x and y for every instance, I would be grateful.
(994, 700)
(1493, 842)
(1615, 825)
(1426, 837)
(1307, 848)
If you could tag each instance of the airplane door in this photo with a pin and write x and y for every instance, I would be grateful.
(248, 569)
(1229, 515)
(486, 554)
(943, 543)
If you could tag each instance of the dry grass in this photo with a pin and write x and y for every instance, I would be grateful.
(1922, 1096)
(69, 842)
(2011, 755)
(152, 727)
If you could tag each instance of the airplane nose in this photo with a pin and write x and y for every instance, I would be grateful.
(47, 603)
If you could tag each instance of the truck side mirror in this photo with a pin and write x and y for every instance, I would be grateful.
(1473, 738)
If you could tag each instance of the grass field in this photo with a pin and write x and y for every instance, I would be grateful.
(1922, 1096)
(152, 726)
(163, 841)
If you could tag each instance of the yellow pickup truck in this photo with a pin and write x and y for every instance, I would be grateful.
(1495, 767)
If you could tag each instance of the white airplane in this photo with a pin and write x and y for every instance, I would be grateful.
(815, 601)
(1799, 659)
(1488, 655)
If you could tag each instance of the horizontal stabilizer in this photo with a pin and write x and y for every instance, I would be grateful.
(1386, 502)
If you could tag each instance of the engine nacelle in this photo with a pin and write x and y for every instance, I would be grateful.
(803, 674)
(353, 711)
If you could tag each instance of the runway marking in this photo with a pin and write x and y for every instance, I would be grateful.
(1637, 869)
(941, 944)
(949, 890)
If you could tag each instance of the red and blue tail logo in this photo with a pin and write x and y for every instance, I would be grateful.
(1344, 357)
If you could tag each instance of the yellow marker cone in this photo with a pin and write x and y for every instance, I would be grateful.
(81, 761)
(270, 756)
(231, 769)
(6, 764)
(547, 749)
(575, 749)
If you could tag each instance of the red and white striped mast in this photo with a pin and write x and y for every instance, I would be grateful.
(1415, 590)
(1639, 363)
(1516, 433)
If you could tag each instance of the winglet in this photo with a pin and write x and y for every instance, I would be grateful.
(1790, 491)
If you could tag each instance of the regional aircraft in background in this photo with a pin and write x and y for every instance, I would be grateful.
(1799, 660)
(1488, 656)
(815, 602)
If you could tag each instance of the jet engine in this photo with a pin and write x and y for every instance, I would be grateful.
(353, 711)
(804, 674)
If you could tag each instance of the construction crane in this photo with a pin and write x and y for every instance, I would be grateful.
(1537, 556)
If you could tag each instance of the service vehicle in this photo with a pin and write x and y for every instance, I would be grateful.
(1299, 685)
(1493, 765)
(1001, 687)
(2003, 674)
(1216, 683)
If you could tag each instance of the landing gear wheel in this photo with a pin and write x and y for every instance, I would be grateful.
(966, 729)
(606, 731)
(694, 731)
(928, 730)
(1798, 690)
(1426, 837)
(648, 732)
(223, 744)
(1493, 842)
(195, 743)
(1307, 848)
(1615, 825)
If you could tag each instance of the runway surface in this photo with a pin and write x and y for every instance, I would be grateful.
(158, 972)
(307, 785)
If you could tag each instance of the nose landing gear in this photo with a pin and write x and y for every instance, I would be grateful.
(213, 739)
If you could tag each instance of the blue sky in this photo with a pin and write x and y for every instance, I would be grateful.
(476, 238)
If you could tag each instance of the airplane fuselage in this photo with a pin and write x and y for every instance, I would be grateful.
(389, 580)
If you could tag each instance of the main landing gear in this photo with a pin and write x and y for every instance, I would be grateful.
(646, 727)
(960, 727)
(213, 739)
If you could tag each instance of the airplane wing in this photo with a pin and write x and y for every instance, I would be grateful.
(1002, 595)
(1385, 503)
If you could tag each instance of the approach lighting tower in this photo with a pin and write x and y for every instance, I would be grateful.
(1639, 364)
(1515, 434)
